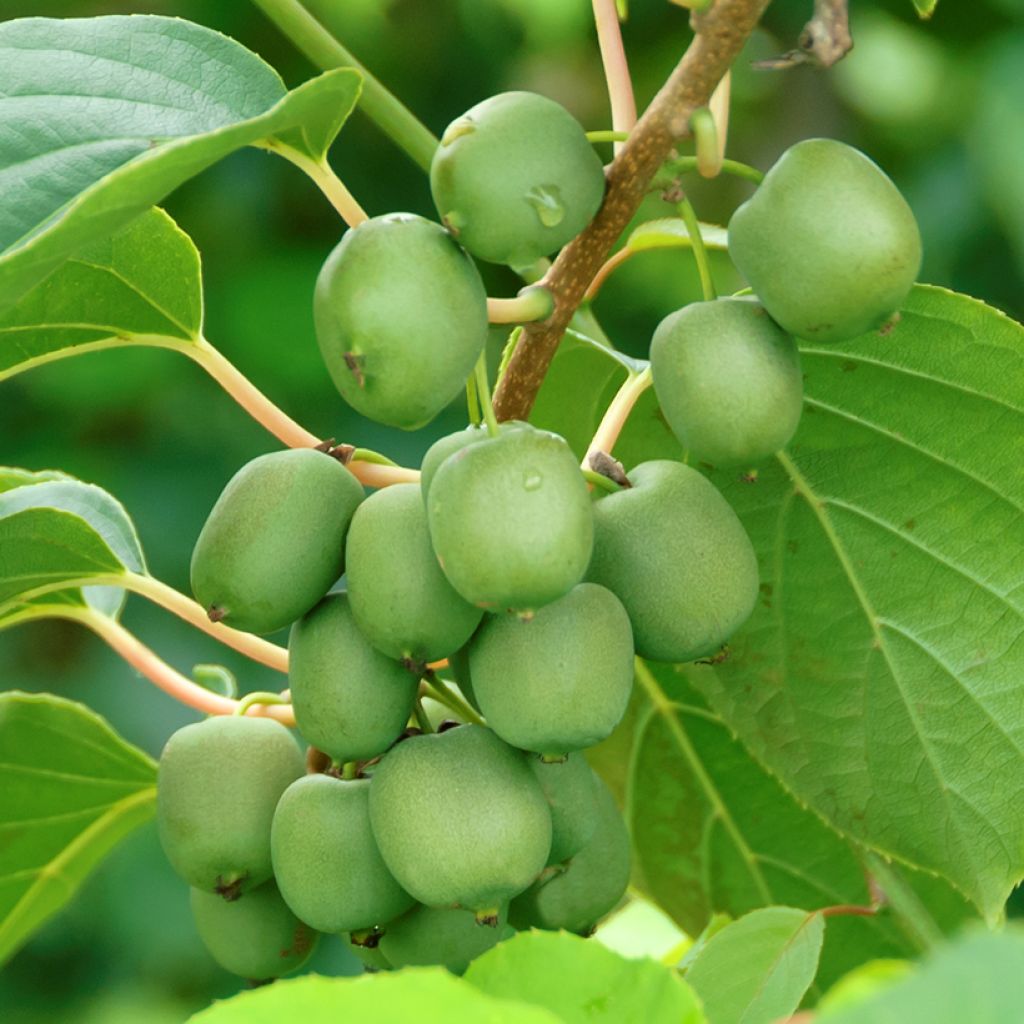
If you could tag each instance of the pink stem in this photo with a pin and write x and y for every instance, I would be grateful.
(157, 671)
(616, 68)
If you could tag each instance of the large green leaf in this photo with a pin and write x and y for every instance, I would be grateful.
(70, 790)
(100, 118)
(757, 969)
(141, 286)
(420, 995)
(62, 531)
(583, 982)
(979, 980)
(881, 676)
(714, 833)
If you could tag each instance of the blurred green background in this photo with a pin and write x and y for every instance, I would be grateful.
(939, 105)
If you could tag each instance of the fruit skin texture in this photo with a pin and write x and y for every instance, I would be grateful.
(350, 701)
(592, 883)
(676, 555)
(452, 443)
(401, 317)
(326, 861)
(217, 786)
(510, 520)
(572, 798)
(274, 543)
(256, 937)
(460, 819)
(516, 178)
(827, 242)
(728, 380)
(401, 600)
(559, 681)
(441, 936)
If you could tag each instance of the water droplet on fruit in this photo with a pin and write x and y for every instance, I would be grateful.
(547, 202)
(532, 481)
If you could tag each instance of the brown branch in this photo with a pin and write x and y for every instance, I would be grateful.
(824, 41)
(720, 35)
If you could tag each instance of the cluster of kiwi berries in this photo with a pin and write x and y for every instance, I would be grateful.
(427, 842)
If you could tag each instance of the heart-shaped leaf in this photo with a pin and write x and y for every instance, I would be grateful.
(881, 676)
(100, 118)
(70, 790)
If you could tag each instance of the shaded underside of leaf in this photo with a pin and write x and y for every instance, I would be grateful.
(881, 675)
(141, 283)
(60, 530)
(70, 790)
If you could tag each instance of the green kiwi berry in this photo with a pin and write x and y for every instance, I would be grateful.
(274, 543)
(256, 937)
(217, 786)
(675, 554)
(728, 380)
(515, 178)
(827, 242)
(571, 792)
(560, 679)
(590, 885)
(440, 936)
(448, 445)
(326, 860)
(460, 819)
(401, 318)
(510, 520)
(350, 701)
(401, 600)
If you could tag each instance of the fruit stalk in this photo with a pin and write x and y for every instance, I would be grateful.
(322, 175)
(157, 671)
(616, 67)
(720, 35)
(278, 422)
(376, 101)
(617, 413)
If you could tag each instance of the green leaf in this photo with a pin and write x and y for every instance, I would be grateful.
(583, 982)
(100, 118)
(757, 969)
(925, 8)
(704, 842)
(422, 995)
(141, 286)
(671, 233)
(61, 531)
(979, 980)
(880, 676)
(70, 790)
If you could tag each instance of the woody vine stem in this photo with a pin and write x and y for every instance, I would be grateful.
(720, 33)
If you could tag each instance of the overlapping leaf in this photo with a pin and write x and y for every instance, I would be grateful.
(423, 995)
(100, 118)
(141, 286)
(758, 969)
(714, 833)
(70, 790)
(61, 531)
(582, 981)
